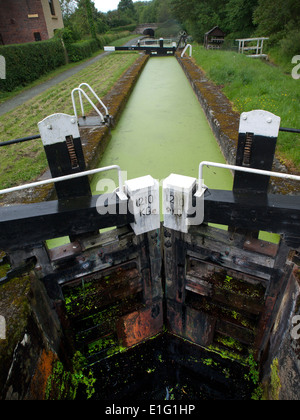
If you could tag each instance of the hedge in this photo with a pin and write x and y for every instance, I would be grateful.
(27, 62)
(81, 50)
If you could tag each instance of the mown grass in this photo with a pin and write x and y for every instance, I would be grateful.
(24, 162)
(4, 96)
(255, 84)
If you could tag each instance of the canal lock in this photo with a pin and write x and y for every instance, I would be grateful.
(165, 314)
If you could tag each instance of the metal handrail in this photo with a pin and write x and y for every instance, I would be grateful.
(202, 187)
(38, 136)
(185, 49)
(82, 92)
(120, 192)
(96, 96)
(80, 98)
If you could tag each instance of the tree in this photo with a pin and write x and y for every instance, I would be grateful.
(277, 25)
(67, 7)
(200, 16)
(90, 18)
(239, 17)
(126, 6)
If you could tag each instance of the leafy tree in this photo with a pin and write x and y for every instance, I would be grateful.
(277, 25)
(200, 16)
(67, 7)
(82, 18)
(90, 18)
(126, 5)
(239, 17)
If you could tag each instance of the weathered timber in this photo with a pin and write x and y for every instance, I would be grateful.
(257, 152)
(150, 50)
(226, 284)
(26, 225)
(112, 289)
(271, 213)
(22, 226)
(281, 275)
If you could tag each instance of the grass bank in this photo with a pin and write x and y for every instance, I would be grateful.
(4, 96)
(24, 162)
(255, 84)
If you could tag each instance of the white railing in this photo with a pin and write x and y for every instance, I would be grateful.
(185, 49)
(202, 187)
(120, 191)
(82, 92)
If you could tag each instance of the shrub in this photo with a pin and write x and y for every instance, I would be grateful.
(27, 62)
(290, 44)
(80, 50)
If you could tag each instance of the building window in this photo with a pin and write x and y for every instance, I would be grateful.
(51, 5)
(37, 36)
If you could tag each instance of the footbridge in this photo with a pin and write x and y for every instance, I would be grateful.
(146, 29)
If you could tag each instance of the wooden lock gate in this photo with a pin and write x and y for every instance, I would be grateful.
(216, 288)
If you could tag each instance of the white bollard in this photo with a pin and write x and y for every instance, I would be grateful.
(143, 194)
(178, 193)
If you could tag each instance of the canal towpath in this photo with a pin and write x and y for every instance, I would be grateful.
(28, 94)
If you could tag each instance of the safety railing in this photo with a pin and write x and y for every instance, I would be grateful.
(202, 187)
(185, 50)
(119, 192)
(81, 93)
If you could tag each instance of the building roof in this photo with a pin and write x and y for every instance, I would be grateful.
(216, 29)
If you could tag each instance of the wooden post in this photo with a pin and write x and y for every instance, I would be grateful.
(258, 134)
(62, 143)
(278, 282)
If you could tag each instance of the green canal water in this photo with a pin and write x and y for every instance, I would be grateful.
(162, 130)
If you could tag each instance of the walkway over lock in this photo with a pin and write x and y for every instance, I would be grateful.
(216, 283)
(140, 29)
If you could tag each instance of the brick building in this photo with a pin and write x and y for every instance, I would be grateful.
(24, 21)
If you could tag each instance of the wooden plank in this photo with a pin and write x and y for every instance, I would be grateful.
(27, 225)
(198, 286)
(30, 224)
(140, 325)
(190, 323)
(282, 272)
(270, 213)
(261, 247)
(226, 297)
(244, 335)
(174, 252)
(112, 286)
(234, 261)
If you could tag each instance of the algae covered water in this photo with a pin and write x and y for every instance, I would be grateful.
(163, 130)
